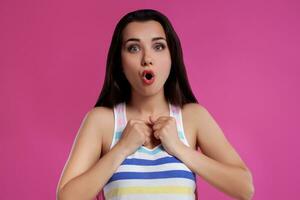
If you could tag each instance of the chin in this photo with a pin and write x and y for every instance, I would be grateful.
(151, 92)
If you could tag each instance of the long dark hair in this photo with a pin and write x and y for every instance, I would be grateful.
(116, 88)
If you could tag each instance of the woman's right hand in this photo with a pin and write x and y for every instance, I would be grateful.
(135, 134)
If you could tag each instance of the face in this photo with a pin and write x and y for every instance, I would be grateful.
(144, 47)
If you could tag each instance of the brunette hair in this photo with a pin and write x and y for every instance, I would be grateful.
(116, 88)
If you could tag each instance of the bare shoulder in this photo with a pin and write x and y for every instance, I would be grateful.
(101, 117)
(205, 125)
(193, 107)
(190, 122)
(100, 112)
(193, 112)
(199, 115)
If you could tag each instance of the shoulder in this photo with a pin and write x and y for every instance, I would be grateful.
(194, 110)
(100, 117)
(193, 106)
(99, 112)
(195, 113)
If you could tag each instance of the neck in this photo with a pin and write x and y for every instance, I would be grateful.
(149, 105)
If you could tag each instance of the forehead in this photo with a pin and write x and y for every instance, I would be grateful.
(143, 30)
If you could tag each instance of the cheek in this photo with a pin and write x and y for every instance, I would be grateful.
(129, 60)
(166, 72)
(165, 65)
(129, 64)
(165, 59)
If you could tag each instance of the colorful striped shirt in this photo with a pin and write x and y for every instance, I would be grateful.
(150, 173)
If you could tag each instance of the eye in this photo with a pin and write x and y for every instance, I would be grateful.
(159, 46)
(133, 48)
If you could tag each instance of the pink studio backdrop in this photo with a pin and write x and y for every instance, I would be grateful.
(242, 59)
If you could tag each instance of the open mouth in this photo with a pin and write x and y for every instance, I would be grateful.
(148, 76)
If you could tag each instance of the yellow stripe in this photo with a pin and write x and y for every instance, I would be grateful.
(149, 190)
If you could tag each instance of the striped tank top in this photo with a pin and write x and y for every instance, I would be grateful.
(150, 173)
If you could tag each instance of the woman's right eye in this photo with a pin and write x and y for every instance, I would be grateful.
(133, 48)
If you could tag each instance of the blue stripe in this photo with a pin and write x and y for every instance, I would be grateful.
(153, 175)
(152, 152)
(118, 134)
(144, 162)
(180, 134)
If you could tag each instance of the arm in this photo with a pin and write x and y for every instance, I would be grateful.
(84, 175)
(220, 165)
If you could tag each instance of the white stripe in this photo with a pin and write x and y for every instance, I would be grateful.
(115, 127)
(157, 168)
(146, 156)
(182, 128)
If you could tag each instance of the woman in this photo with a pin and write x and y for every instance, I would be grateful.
(140, 140)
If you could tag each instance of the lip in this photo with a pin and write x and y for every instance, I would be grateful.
(146, 81)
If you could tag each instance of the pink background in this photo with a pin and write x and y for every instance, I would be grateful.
(242, 60)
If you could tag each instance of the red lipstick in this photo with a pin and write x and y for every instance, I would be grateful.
(148, 77)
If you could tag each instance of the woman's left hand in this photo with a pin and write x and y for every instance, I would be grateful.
(165, 129)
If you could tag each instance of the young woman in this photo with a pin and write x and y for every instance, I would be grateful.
(140, 140)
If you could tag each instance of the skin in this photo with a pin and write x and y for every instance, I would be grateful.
(149, 124)
(142, 49)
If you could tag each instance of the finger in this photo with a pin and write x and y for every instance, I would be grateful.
(157, 126)
(152, 118)
(162, 118)
(157, 119)
(137, 121)
(156, 135)
(149, 123)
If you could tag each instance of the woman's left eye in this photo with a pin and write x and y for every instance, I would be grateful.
(159, 46)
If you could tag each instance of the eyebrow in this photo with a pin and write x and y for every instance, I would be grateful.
(137, 40)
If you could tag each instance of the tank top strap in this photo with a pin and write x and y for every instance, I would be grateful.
(120, 122)
(120, 114)
(175, 111)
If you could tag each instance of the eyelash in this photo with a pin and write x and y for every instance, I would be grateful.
(157, 44)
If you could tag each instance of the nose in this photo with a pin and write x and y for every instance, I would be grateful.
(147, 60)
